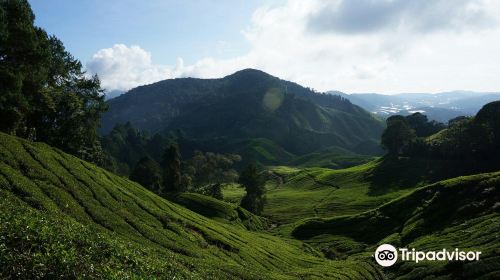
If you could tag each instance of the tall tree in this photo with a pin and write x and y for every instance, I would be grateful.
(172, 177)
(45, 94)
(254, 198)
(147, 173)
(398, 135)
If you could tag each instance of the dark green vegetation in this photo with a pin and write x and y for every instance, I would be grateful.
(63, 216)
(334, 158)
(298, 193)
(250, 113)
(221, 211)
(474, 141)
(148, 173)
(143, 235)
(463, 213)
(44, 93)
(254, 198)
(172, 177)
(359, 208)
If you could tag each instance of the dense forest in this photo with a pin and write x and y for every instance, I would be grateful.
(45, 94)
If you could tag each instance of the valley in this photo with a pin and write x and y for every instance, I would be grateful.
(334, 214)
(124, 167)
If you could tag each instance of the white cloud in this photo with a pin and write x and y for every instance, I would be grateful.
(122, 67)
(409, 46)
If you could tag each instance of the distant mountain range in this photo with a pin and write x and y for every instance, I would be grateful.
(439, 106)
(249, 109)
(113, 93)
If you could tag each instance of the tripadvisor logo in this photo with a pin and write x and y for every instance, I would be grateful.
(387, 255)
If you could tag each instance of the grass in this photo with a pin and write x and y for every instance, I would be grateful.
(221, 211)
(321, 192)
(333, 157)
(233, 193)
(61, 210)
(462, 212)
(61, 217)
(263, 151)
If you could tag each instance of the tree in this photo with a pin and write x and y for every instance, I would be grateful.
(484, 133)
(172, 178)
(147, 173)
(254, 198)
(422, 126)
(207, 168)
(398, 136)
(126, 145)
(186, 182)
(45, 94)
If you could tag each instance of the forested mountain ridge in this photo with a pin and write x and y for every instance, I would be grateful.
(245, 105)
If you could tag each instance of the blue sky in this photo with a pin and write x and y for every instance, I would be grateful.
(167, 28)
(386, 46)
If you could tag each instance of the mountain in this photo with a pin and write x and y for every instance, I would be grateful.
(244, 106)
(113, 93)
(442, 115)
(439, 106)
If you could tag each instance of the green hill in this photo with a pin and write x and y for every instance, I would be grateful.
(221, 211)
(333, 157)
(462, 212)
(295, 193)
(63, 217)
(244, 106)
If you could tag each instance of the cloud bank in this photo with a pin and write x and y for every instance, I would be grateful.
(121, 67)
(350, 45)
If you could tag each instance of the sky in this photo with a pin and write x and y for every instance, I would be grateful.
(384, 46)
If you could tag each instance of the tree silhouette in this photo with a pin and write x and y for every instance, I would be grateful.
(147, 173)
(398, 135)
(172, 178)
(254, 198)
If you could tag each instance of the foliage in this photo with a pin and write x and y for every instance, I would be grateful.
(150, 237)
(422, 126)
(398, 136)
(419, 220)
(213, 190)
(215, 113)
(210, 167)
(172, 177)
(474, 139)
(254, 198)
(45, 94)
(333, 157)
(125, 146)
(221, 211)
(35, 245)
(147, 173)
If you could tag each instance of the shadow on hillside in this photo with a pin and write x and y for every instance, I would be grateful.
(403, 173)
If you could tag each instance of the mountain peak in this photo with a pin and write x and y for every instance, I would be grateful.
(249, 73)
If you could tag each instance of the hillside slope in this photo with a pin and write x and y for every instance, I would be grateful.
(62, 217)
(462, 212)
(246, 105)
